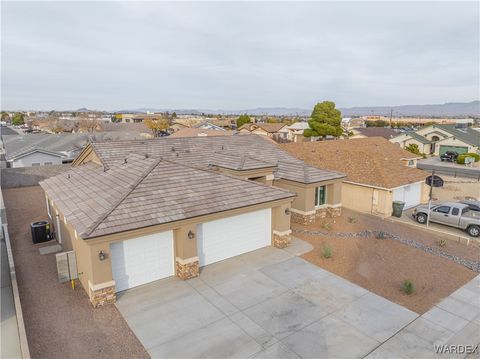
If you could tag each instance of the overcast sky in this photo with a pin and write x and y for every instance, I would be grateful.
(115, 55)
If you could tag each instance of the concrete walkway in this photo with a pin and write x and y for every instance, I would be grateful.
(454, 321)
(264, 304)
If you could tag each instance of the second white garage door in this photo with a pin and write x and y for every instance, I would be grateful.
(411, 194)
(232, 236)
(142, 260)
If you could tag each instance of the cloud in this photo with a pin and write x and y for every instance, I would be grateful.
(234, 55)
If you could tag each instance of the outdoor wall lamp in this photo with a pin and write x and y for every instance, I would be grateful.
(191, 235)
(287, 211)
(102, 255)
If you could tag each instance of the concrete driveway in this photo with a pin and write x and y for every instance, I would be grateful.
(264, 304)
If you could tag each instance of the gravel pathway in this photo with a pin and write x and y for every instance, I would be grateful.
(470, 264)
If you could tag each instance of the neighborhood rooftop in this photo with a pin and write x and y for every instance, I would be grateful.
(203, 152)
(147, 192)
(373, 161)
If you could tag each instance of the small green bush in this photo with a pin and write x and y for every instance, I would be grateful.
(327, 251)
(461, 158)
(326, 225)
(407, 286)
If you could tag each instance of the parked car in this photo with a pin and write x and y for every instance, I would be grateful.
(472, 204)
(452, 214)
(449, 156)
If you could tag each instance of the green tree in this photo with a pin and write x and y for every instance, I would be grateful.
(413, 148)
(325, 120)
(272, 120)
(18, 119)
(243, 119)
(174, 115)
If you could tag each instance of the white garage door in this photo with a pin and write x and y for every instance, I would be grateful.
(229, 237)
(411, 194)
(142, 260)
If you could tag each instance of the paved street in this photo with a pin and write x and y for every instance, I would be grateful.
(264, 304)
(448, 168)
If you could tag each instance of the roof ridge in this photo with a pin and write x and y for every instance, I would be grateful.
(135, 184)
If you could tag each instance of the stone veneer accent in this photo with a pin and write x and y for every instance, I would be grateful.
(281, 240)
(300, 218)
(328, 212)
(187, 268)
(102, 296)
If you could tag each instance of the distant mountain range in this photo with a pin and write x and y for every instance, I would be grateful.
(452, 109)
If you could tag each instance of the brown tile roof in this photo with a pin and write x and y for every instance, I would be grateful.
(148, 191)
(371, 161)
(199, 132)
(234, 162)
(267, 127)
(201, 151)
(377, 132)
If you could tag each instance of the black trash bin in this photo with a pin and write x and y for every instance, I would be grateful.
(398, 208)
(40, 231)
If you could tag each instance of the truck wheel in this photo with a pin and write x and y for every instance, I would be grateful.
(421, 218)
(474, 231)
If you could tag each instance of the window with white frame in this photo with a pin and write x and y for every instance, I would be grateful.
(320, 196)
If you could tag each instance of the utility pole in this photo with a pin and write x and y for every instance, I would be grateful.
(391, 116)
(430, 198)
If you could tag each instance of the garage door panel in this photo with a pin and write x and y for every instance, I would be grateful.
(232, 236)
(142, 260)
(411, 195)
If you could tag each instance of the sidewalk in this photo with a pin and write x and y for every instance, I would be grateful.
(455, 321)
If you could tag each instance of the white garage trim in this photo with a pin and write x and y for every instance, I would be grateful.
(142, 260)
(232, 236)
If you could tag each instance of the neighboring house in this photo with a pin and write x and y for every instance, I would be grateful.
(199, 132)
(378, 172)
(295, 131)
(34, 157)
(364, 132)
(138, 211)
(206, 125)
(438, 139)
(226, 123)
(176, 127)
(276, 131)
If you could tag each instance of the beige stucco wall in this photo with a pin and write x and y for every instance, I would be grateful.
(367, 199)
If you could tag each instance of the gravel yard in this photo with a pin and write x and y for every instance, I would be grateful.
(59, 320)
(381, 265)
(457, 189)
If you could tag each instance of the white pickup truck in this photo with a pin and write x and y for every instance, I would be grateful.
(451, 214)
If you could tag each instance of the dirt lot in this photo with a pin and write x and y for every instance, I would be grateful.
(58, 319)
(457, 189)
(381, 265)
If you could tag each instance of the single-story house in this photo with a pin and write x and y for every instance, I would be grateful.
(363, 132)
(175, 127)
(295, 131)
(272, 130)
(200, 132)
(34, 157)
(438, 139)
(138, 211)
(378, 172)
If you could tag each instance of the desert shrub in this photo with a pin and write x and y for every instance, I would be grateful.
(461, 158)
(407, 286)
(381, 235)
(413, 148)
(327, 251)
(351, 220)
(441, 243)
(326, 225)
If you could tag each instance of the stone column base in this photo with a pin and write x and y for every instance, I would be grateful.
(102, 294)
(301, 218)
(187, 268)
(280, 241)
(321, 213)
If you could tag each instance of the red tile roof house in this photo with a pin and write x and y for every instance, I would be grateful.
(138, 211)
